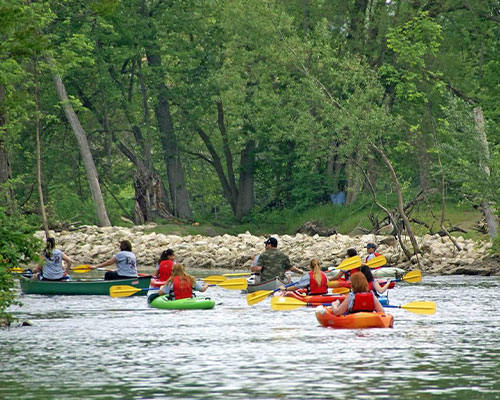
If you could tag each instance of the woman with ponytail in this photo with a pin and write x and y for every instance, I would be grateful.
(51, 268)
(180, 285)
(316, 281)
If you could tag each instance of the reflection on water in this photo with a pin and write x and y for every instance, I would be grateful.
(95, 347)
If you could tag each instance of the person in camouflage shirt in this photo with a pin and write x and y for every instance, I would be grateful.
(273, 263)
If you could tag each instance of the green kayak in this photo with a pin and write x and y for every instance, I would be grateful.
(81, 287)
(194, 303)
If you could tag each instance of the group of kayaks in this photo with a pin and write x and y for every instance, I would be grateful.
(146, 285)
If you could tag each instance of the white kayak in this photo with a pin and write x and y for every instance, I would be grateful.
(388, 272)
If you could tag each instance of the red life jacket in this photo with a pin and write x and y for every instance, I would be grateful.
(313, 285)
(182, 290)
(363, 302)
(165, 270)
(349, 273)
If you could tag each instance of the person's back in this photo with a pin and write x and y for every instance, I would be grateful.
(52, 268)
(126, 264)
(165, 270)
(274, 264)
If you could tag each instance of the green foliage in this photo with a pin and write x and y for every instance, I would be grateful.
(18, 247)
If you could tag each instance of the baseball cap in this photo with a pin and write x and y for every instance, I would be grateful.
(371, 246)
(272, 241)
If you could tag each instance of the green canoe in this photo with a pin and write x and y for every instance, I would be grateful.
(81, 287)
(195, 303)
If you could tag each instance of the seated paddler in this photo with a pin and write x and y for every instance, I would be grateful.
(315, 281)
(361, 298)
(181, 285)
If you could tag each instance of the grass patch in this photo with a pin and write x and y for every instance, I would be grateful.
(346, 219)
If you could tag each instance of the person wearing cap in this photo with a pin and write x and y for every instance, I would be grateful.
(370, 248)
(273, 263)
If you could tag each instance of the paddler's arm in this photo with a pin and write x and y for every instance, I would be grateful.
(339, 275)
(111, 261)
(200, 287)
(381, 289)
(165, 289)
(69, 261)
(378, 306)
(340, 308)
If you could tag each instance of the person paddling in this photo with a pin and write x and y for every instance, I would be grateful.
(361, 299)
(126, 263)
(164, 265)
(51, 268)
(315, 281)
(180, 285)
(273, 263)
(373, 284)
(372, 253)
(345, 275)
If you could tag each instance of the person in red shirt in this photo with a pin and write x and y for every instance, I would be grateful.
(316, 281)
(164, 265)
(346, 275)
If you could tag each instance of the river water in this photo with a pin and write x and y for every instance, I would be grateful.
(95, 347)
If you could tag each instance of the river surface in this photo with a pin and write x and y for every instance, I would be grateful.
(96, 347)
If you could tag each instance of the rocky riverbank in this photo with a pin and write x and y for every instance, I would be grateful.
(91, 245)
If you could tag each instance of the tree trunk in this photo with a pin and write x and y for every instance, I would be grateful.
(175, 173)
(81, 137)
(39, 154)
(246, 182)
(6, 192)
(397, 187)
(486, 206)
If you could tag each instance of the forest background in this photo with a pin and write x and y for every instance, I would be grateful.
(249, 115)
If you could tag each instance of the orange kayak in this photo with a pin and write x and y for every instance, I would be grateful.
(359, 320)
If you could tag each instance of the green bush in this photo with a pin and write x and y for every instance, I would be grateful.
(18, 247)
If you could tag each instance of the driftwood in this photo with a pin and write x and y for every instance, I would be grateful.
(315, 228)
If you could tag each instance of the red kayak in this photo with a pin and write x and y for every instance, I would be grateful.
(347, 284)
(315, 299)
(156, 283)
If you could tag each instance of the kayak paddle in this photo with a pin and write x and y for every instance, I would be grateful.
(238, 274)
(280, 303)
(81, 269)
(126, 290)
(340, 290)
(15, 270)
(257, 297)
(376, 262)
(418, 307)
(411, 277)
(214, 279)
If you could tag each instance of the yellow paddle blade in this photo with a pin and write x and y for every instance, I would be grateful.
(421, 307)
(123, 290)
(214, 279)
(412, 276)
(377, 262)
(257, 297)
(81, 269)
(350, 263)
(340, 290)
(286, 303)
(238, 274)
(234, 284)
(16, 270)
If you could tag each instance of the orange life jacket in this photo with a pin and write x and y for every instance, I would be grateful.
(182, 290)
(314, 288)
